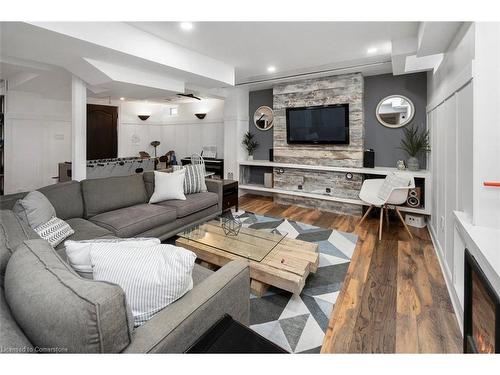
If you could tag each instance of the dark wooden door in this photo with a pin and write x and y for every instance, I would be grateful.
(102, 134)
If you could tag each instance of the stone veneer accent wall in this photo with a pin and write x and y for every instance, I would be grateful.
(322, 91)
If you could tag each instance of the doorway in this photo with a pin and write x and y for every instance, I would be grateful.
(102, 133)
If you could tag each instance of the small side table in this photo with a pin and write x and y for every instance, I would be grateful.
(229, 194)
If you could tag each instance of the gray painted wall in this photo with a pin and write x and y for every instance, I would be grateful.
(265, 138)
(385, 141)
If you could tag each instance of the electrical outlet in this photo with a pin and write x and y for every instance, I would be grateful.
(416, 221)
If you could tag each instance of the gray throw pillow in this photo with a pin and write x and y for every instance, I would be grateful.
(34, 209)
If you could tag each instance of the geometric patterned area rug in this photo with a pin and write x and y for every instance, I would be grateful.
(298, 323)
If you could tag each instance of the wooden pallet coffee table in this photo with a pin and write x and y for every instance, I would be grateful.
(274, 259)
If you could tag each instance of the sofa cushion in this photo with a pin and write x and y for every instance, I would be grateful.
(12, 339)
(193, 203)
(13, 231)
(200, 273)
(7, 202)
(56, 308)
(66, 197)
(85, 230)
(131, 221)
(108, 194)
(149, 183)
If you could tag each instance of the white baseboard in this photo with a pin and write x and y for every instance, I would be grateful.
(448, 279)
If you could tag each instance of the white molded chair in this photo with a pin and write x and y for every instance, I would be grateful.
(398, 194)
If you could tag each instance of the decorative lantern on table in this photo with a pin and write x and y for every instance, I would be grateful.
(231, 225)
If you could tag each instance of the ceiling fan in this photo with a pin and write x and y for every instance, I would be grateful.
(192, 96)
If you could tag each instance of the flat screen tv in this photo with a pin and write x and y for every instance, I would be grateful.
(318, 125)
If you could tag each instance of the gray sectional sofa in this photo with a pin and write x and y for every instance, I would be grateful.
(46, 305)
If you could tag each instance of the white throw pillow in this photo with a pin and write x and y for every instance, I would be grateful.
(168, 186)
(55, 231)
(151, 277)
(78, 252)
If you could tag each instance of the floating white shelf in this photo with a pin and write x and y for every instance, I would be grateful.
(383, 171)
(326, 197)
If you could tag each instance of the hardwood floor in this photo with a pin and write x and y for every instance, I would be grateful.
(394, 298)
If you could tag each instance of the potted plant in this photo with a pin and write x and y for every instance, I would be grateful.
(250, 144)
(414, 142)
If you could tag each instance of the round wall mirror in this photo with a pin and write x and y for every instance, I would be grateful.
(263, 118)
(395, 111)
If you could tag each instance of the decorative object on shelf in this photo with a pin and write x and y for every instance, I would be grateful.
(414, 142)
(250, 144)
(400, 165)
(200, 116)
(395, 111)
(143, 117)
(231, 225)
(268, 180)
(263, 118)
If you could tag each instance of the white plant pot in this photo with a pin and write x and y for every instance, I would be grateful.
(250, 157)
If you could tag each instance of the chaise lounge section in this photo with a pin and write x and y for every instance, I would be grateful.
(109, 208)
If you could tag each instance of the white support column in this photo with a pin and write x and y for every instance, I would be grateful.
(78, 129)
(235, 126)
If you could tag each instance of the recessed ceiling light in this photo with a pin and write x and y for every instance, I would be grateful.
(122, 98)
(186, 26)
(371, 51)
(271, 69)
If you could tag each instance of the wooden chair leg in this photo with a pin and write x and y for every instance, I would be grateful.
(381, 223)
(403, 221)
(365, 215)
(387, 216)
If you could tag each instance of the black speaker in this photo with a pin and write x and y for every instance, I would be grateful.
(271, 155)
(369, 158)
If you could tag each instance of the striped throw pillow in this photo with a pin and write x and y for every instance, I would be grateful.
(152, 277)
(194, 182)
(55, 231)
(78, 252)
